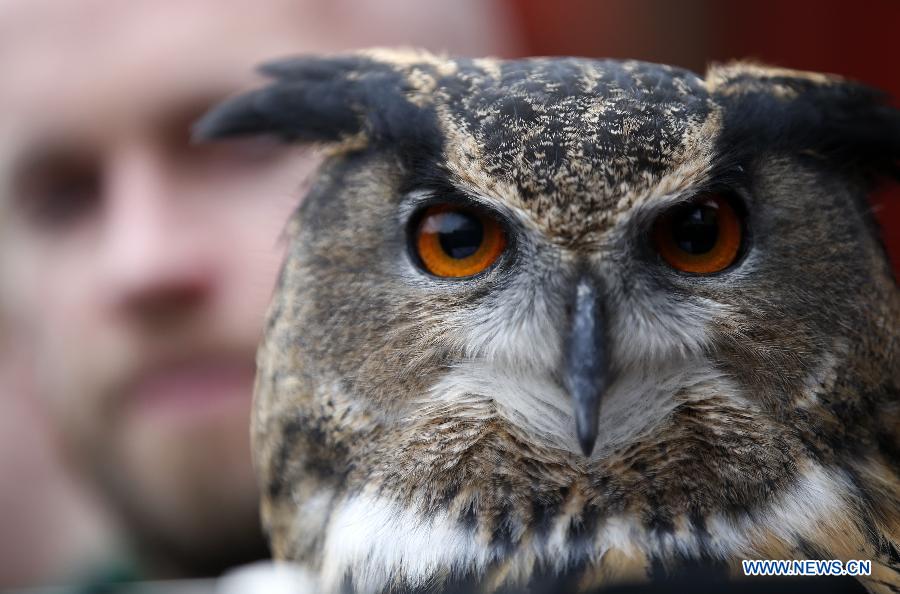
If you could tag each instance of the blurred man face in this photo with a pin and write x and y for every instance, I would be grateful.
(144, 264)
(140, 265)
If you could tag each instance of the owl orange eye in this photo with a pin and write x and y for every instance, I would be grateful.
(454, 241)
(701, 237)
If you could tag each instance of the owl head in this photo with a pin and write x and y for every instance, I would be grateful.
(543, 292)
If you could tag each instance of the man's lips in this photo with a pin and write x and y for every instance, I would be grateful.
(194, 387)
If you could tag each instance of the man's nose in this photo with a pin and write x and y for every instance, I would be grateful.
(157, 257)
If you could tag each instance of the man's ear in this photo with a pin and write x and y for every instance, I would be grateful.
(848, 125)
(312, 99)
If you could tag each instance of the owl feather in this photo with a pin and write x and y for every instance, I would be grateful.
(603, 401)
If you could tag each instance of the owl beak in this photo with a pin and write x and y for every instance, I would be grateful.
(586, 365)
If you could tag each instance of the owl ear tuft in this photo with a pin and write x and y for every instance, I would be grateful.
(312, 99)
(849, 125)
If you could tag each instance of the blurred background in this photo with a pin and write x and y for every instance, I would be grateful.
(135, 268)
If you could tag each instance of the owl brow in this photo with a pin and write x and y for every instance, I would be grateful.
(443, 193)
(424, 171)
(725, 175)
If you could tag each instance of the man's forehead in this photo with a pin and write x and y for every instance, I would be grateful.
(88, 64)
(84, 74)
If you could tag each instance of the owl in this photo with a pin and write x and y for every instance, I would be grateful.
(590, 319)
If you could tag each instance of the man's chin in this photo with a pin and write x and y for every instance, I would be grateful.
(180, 472)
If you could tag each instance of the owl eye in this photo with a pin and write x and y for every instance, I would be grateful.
(454, 241)
(701, 237)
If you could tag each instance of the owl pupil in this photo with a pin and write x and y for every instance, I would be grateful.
(460, 234)
(696, 230)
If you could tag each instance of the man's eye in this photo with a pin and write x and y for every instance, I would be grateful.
(59, 195)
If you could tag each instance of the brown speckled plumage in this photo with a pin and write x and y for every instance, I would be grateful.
(754, 412)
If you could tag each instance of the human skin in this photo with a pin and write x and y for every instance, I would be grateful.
(137, 265)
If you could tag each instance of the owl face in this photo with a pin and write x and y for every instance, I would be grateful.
(612, 288)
